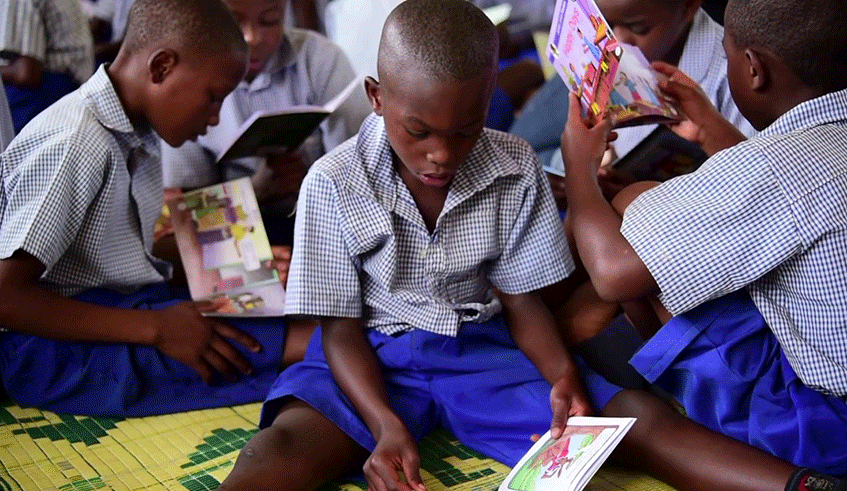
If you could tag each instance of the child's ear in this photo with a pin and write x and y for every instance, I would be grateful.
(161, 63)
(758, 72)
(374, 94)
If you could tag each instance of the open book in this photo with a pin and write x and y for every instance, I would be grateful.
(660, 156)
(225, 250)
(283, 129)
(608, 76)
(570, 461)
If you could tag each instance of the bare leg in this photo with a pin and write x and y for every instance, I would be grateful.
(584, 315)
(300, 451)
(690, 457)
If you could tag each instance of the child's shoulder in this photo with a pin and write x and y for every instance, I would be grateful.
(311, 43)
(509, 149)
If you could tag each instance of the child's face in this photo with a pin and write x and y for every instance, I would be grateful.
(432, 124)
(188, 99)
(261, 23)
(655, 27)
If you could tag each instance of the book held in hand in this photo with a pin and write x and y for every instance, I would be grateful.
(609, 77)
(225, 250)
(570, 461)
(284, 129)
(660, 156)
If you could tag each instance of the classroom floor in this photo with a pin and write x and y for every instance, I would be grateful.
(195, 450)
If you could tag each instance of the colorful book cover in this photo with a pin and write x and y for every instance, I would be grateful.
(567, 463)
(225, 249)
(608, 76)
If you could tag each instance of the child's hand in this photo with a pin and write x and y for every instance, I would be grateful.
(279, 176)
(281, 261)
(395, 452)
(202, 343)
(567, 398)
(705, 125)
(583, 142)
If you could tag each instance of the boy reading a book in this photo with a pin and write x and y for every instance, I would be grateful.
(91, 327)
(402, 235)
(288, 67)
(678, 32)
(747, 256)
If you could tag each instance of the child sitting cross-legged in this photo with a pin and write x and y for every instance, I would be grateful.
(745, 261)
(402, 236)
(91, 326)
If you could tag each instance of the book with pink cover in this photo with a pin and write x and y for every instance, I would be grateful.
(225, 249)
(608, 76)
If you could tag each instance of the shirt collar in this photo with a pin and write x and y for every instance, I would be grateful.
(102, 100)
(829, 108)
(282, 58)
(373, 173)
(700, 48)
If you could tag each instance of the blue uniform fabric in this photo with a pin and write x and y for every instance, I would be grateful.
(26, 103)
(121, 380)
(723, 364)
(478, 385)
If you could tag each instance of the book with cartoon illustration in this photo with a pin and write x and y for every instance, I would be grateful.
(283, 129)
(225, 249)
(567, 463)
(608, 76)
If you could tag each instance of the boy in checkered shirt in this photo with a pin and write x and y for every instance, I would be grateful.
(403, 234)
(748, 257)
(92, 327)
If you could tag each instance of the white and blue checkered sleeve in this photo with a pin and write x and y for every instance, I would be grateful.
(715, 231)
(47, 195)
(190, 166)
(323, 279)
(535, 253)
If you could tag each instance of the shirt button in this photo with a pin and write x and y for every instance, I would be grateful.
(424, 252)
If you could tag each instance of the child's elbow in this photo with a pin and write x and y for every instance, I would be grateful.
(611, 283)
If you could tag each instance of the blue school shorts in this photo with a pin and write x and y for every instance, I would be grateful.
(478, 385)
(723, 364)
(120, 380)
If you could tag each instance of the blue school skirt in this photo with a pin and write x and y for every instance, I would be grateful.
(479, 385)
(25, 103)
(723, 364)
(120, 380)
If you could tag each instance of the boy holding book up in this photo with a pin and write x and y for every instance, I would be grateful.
(745, 261)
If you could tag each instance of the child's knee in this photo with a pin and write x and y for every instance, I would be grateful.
(648, 410)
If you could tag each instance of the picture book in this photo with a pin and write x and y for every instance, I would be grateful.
(570, 461)
(608, 76)
(660, 156)
(225, 249)
(283, 129)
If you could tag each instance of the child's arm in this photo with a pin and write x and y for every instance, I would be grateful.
(535, 333)
(616, 272)
(24, 71)
(357, 372)
(180, 332)
(705, 125)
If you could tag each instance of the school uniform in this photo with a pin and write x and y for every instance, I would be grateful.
(54, 32)
(703, 59)
(81, 192)
(363, 251)
(750, 255)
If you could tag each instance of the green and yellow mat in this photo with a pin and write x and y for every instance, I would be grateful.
(195, 450)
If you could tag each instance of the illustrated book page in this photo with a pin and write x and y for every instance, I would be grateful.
(225, 249)
(608, 76)
(570, 461)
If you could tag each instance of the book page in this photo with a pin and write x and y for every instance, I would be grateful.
(225, 249)
(568, 462)
(608, 77)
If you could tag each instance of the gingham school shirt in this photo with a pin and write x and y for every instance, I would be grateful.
(54, 32)
(770, 215)
(307, 69)
(362, 250)
(81, 191)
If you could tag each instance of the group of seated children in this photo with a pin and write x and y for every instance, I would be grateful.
(421, 243)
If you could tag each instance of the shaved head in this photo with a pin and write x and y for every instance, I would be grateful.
(809, 36)
(202, 27)
(439, 38)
